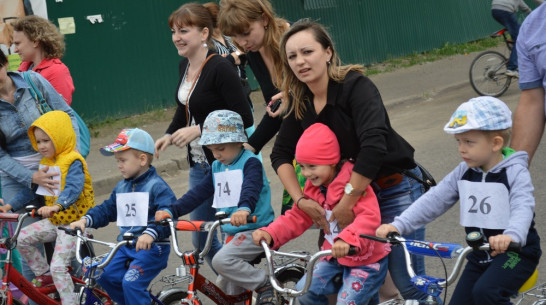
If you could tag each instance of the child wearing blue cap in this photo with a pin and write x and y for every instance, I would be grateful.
(133, 202)
(495, 192)
(240, 188)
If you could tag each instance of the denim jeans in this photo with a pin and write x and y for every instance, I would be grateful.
(510, 22)
(357, 285)
(10, 188)
(203, 212)
(392, 202)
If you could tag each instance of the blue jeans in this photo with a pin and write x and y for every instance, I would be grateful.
(510, 22)
(203, 212)
(128, 285)
(358, 285)
(10, 188)
(392, 202)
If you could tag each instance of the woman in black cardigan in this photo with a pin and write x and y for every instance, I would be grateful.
(208, 82)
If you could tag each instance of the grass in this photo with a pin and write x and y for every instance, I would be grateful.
(111, 125)
(446, 50)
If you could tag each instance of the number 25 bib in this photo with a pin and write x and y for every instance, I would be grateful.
(484, 204)
(132, 209)
(227, 188)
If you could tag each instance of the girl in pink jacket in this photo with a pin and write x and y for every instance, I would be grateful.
(318, 154)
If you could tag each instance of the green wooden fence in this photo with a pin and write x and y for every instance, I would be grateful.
(127, 63)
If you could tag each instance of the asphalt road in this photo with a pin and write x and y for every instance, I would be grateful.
(422, 125)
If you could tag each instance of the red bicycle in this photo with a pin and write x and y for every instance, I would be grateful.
(46, 295)
(287, 273)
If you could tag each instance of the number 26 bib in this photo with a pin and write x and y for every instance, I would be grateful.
(227, 188)
(132, 209)
(484, 204)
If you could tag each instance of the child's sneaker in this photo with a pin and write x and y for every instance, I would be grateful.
(512, 73)
(42, 280)
(267, 295)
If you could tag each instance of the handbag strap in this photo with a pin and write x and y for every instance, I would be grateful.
(38, 97)
(193, 85)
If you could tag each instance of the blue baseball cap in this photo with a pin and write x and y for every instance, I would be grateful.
(480, 113)
(223, 126)
(130, 138)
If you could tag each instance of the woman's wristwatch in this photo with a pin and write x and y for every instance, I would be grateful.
(351, 191)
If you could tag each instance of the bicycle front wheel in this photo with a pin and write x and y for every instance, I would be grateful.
(487, 74)
(171, 299)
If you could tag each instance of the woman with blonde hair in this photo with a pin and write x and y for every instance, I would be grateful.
(256, 29)
(41, 47)
(321, 90)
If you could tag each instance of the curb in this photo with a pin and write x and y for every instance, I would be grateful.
(106, 184)
(422, 98)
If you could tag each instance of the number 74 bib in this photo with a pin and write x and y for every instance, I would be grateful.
(132, 209)
(227, 188)
(484, 204)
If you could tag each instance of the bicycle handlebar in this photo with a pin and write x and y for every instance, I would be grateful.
(311, 262)
(114, 246)
(200, 226)
(459, 253)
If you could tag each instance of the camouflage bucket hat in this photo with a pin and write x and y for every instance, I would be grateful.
(223, 126)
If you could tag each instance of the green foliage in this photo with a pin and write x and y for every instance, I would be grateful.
(446, 50)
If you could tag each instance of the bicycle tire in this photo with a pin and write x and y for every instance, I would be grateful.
(487, 74)
(171, 299)
(289, 276)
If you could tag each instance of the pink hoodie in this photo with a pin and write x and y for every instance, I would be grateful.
(367, 220)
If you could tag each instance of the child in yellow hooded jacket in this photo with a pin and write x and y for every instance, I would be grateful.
(67, 200)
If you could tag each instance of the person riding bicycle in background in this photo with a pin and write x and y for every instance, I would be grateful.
(318, 154)
(133, 202)
(504, 12)
(240, 188)
(495, 191)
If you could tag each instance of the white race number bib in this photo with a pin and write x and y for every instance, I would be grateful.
(227, 188)
(132, 209)
(334, 229)
(484, 204)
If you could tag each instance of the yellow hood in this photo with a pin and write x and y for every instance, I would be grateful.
(58, 126)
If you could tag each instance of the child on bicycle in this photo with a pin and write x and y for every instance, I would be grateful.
(240, 188)
(318, 154)
(495, 192)
(54, 138)
(133, 202)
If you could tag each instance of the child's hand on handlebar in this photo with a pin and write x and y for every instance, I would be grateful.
(160, 215)
(78, 224)
(48, 211)
(385, 229)
(340, 248)
(239, 218)
(144, 242)
(499, 243)
(259, 235)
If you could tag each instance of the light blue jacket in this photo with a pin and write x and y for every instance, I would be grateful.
(16, 118)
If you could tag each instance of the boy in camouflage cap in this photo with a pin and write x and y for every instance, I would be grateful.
(240, 188)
